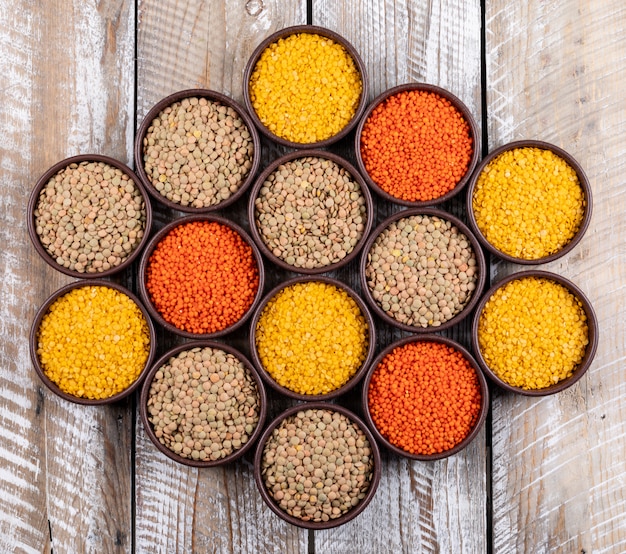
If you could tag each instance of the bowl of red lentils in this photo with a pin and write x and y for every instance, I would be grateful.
(417, 145)
(317, 465)
(89, 216)
(529, 202)
(305, 87)
(534, 333)
(422, 270)
(201, 276)
(311, 338)
(197, 151)
(203, 404)
(310, 211)
(425, 397)
(92, 342)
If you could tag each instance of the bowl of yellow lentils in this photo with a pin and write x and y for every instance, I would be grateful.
(92, 341)
(534, 333)
(305, 87)
(529, 202)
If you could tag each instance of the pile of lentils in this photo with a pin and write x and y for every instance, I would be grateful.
(90, 217)
(197, 152)
(310, 212)
(421, 270)
(317, 465)
(203, 404)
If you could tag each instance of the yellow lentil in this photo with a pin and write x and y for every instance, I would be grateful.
(93, 342)
(528, 203)
(312, 337)
(305, 88)
(533, 333)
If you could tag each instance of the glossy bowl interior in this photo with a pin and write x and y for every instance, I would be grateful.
(584, 184)
(34, 333)
(32, 219)
(590, 351)
(460, 107)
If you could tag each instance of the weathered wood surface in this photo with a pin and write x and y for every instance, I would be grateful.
(545, 476)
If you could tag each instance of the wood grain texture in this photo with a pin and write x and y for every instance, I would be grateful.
(555, 73)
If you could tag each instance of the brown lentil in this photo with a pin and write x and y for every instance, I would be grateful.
(317, 465)
(203, 404)
(198, 152)
(310, 212)
(533, 333)
(90, 217)
(421, 270)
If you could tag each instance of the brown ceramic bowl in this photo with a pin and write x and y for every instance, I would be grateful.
(457, 104)
(269, 498)
(479, 281)
(590, 351)
(34, 341)
(162, 234)
(167, 198)
(145, 398)
(297, 30)
(267, 377)
(75, 220)
(528, 213)
(263, 241)
(482, 414)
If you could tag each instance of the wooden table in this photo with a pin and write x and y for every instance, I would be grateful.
(545, 475)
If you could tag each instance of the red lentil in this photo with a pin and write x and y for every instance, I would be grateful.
(416, 145)
(202, 277)
(424, 397)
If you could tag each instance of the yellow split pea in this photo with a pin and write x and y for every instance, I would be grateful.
(93, 342)
(312, 337)
(528, 203)
(533, 333)
(305, 88)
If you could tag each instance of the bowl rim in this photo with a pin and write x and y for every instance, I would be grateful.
(481, 265)
(313, 30)
(592, 326)
(34, 199)
(212, 95)
(297, 154)
(145, 392)
(458, 104)
(161, 234)
(484, 390)
(33, 340)
(354, 380)
(353, 512)
(584, 185)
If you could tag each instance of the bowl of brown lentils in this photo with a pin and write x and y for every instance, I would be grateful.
(422, 270)
(203, 404)
(89, 216)
(317, 465)
(197, 150)
(310, 212)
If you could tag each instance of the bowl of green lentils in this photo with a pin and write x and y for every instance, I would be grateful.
(310, 211)
(89, 216)
(529, 202)
(317, 465)
(534, 333)
(197, 151)
(305, 87)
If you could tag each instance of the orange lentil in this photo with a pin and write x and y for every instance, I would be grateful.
(202, 277)
(424, 397)
(416, 145)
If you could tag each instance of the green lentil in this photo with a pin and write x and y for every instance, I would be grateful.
(528, 203)
(533, 333)
(305, 88)
(312, 337)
